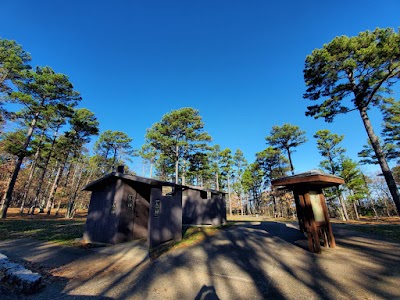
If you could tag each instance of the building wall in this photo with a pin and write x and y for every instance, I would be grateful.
(202, 208)
(165, 222)
(102, 220)
(122, 210)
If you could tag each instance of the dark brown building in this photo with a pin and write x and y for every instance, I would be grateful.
(125, 207)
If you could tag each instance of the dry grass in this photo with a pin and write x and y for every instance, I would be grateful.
(362, 221)
(14, 214)
(62, 231)
(42, 226)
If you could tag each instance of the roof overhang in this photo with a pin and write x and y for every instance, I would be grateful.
(141, 180)
(312, 178)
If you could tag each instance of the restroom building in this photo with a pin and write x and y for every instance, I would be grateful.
(125, 207)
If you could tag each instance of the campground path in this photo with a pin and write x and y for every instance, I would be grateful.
(251, 260)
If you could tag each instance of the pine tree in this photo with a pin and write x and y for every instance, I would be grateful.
(112, 145)
(286, 137)
(353, 74)
(179, 134)
(42, 90)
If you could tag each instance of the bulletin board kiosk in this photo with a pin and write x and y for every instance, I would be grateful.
(312, 211)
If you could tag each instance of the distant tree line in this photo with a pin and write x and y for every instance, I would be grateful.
(45, 161)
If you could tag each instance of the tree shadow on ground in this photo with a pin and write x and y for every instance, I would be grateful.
(265, 259)
(249, 260)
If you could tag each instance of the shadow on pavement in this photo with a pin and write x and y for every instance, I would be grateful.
(255, 260)
(207, 293)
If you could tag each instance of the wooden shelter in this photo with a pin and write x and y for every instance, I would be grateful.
(312, 211)
(125, 207)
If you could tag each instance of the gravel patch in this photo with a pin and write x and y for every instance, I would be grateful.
(18, 277)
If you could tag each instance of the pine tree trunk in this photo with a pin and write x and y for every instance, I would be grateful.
(340, 210)
(275, 209)
(356, 211)
(71, 202)
(41, 180)
(27, 186)
(46, 192)
(229, 197)
(151, 170)
(381, 158)
(370, 198)
(54, 189)
(290, 161)
(177, 164)
(342, 204)
(373, 207)
(241, 206)
(58, 208)
(113, 168)
(247, 204)
(10, 188)
(387, 208)
(68, 173)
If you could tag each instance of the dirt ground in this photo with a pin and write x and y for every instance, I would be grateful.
(362, 221)
(250, 260)
(14, 214)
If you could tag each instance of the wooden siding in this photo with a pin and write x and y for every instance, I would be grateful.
(101, 225)
(200, 210)
(165, 222)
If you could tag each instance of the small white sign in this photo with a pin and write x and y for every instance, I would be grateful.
(157, 208)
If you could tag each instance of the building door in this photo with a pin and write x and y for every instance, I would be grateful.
(141, 216)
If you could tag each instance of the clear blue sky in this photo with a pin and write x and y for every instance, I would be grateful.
(239, 62)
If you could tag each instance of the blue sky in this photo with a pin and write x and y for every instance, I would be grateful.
(239, 62)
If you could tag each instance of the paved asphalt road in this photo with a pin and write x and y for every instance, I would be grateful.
(251, 260)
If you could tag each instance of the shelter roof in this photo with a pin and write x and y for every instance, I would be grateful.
(312, 177)
(138, 179)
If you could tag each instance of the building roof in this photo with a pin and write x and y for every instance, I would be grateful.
(143, 180)
(312, 177)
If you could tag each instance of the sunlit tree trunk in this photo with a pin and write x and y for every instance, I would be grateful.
(58, 208)
(183, 175)
(31, 172)
(151, 168)
(41, 180)
(381, 158)
(177, 164)
(229, 196)
(342, 205)
(53, 190)
(72, 198)
(355, 210)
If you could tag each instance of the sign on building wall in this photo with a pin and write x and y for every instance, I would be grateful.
(157, 208)
(130, 201)
(317, 207)
(113, 208)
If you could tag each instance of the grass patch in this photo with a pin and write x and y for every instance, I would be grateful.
(191, 235)
(56, 230)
